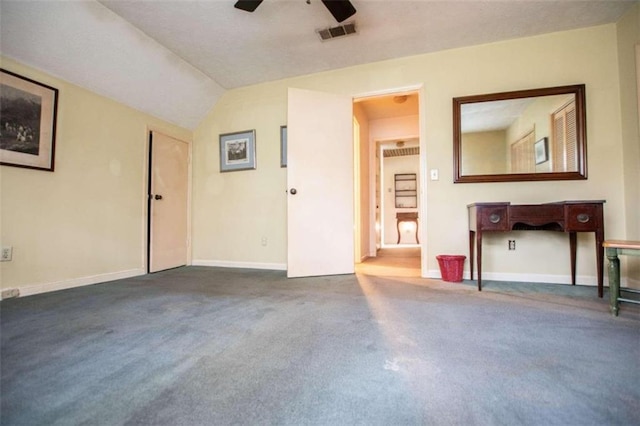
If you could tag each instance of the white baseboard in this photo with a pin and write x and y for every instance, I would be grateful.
(31, 289)
(237, 264)
(632, 283)
(28, 290)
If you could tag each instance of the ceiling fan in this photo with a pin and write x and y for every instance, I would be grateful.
(340, 9)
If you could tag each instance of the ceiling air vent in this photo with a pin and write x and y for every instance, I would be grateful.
(340, 31)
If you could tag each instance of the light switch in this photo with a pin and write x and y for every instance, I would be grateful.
(434, 174)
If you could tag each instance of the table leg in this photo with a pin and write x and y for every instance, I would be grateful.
(472, 235)
(417, 233)
(479, 257)
(614, 279)
(573, 246)
(600, 260)
(398, 228)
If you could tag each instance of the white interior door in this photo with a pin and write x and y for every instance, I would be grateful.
(168, 209)
(320, 183)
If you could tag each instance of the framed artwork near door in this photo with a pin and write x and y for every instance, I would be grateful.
(27, 122)
(238, 151)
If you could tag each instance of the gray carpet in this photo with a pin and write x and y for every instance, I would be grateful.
(214, 346)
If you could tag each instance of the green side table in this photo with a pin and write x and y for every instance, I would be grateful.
(613, 249)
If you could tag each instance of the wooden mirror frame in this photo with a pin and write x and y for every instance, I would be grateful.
(581, 133)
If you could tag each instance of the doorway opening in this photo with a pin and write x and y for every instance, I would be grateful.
(387, 179)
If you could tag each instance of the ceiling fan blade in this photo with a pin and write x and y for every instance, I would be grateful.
(248, 5)
(340, 9)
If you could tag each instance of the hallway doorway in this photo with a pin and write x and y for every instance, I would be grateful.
(388, 138)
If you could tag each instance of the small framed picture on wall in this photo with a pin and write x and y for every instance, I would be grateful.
(238, 151)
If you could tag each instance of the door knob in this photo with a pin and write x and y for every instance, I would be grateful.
(158, 197)
(293, 191)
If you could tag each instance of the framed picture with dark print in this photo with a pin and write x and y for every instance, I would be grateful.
(27, 122)
(238, 151)
(283, 146)
(541, 149)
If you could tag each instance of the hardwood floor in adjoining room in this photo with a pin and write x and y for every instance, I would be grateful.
(392, 262)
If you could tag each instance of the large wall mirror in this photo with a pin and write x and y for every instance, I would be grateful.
(527, 135)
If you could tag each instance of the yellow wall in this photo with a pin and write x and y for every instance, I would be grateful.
(256, 201)
(485, 153)
(85, 222)
(234, 211)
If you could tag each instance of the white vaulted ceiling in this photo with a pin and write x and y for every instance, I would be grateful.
(175, 58)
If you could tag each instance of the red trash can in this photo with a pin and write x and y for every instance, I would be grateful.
(451, 267)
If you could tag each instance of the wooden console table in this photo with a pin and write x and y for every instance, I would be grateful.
(565, 216)
(407, 217)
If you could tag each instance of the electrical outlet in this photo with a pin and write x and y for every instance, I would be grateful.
(7, 254)
(512, 244)
(264, 241)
